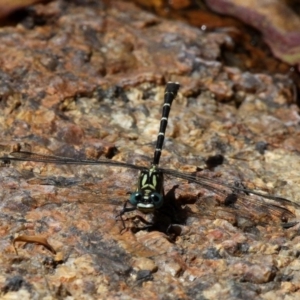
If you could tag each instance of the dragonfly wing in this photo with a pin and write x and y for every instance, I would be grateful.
(261, 208)
(35, 157)
(75, 191)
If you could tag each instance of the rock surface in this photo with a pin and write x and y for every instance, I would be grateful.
(88, 81)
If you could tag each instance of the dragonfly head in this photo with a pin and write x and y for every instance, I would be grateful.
(146, 203)
(149, 193)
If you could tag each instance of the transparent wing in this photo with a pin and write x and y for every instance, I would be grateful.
(30, 156)
(264, 208)
(72, 188)
(244, 202)
(82, 190)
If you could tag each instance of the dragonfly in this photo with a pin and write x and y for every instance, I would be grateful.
(149, 194)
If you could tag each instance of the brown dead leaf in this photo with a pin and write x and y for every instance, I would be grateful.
(9, 6)
(34, 239)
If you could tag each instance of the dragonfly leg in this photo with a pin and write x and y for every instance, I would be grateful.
(137, 217)
(175, 229)
(124, 210)
(148, 225)
(174, 226)
(6, 161)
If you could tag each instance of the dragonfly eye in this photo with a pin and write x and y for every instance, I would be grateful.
(135, 198)
(157, 199)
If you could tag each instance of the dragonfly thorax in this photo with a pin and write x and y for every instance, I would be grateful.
(149, 193)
